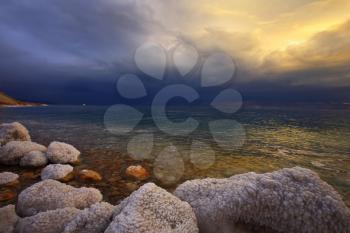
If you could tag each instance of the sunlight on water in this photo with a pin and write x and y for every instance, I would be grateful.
(315, 138)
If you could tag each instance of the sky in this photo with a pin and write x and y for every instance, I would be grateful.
(72, 51)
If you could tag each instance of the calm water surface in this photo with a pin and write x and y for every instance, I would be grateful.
(311, 136)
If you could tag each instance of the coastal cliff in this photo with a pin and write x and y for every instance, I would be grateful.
(6, 100)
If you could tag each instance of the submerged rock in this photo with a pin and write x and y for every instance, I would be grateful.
(51, 195)
(13, 132)
(138, 172)
(94, 219)
(59, 152)
(89, 175)
(12, 152)
(152, 209)
(7, 195)
(8, 219)
(52, 221)
(34, 159)
(8, 178)
(288, 200)
(57, 172)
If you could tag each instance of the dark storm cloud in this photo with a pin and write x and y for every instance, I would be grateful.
(71, 52)
(52, 43)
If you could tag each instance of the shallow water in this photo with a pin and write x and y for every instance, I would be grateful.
(311, 136)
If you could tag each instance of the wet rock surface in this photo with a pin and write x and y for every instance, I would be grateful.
(89, 175)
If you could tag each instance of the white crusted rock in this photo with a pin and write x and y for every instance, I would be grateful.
(8, 219)
(51, 195)
(288, 200)
(52, 221)
(59, 152)
(94, 219)
(34, 159)
(8, 178)
(56, 172)
(12, 152)
(152, 209)
(13, 132)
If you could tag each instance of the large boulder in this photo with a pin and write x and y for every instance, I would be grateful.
(59, 152)
(52, 221)
(91, 220)
(152, 209)
(13, 132)
(8, 178)
(8, 219)
(288, 200)
(12, 152)
(34, 159)
(57, 172)
(51, 195)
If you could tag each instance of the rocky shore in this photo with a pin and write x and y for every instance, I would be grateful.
(288, 200)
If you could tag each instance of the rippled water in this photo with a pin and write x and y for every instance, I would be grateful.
(312, 136)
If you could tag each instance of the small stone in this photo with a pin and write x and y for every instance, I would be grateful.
(8, 219)
(30, 175)
(57, 172)
(13, 132)
(137, 172)
(12, 152)
(7, 195)
(89, 175)
(59, 152)
(8, 179)
(131, 186)
(317, 164)
(34, 159)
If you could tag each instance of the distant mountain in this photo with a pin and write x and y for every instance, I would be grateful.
(7, 100)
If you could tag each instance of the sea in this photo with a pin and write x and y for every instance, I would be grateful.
(257, 138)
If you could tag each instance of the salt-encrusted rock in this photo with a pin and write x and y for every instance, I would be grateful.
(8, 178)
(138, 172)
(12, 152)
(33, 159)
(59, 152)
(288, 200)
(51, 195)
(89, 175)
(57, 172)
(91, 220)
(52, 221)
(8, 219)
(13, 132)
(152, 209)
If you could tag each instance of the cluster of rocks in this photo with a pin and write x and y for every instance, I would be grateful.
(289, 200)
(18, 149)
